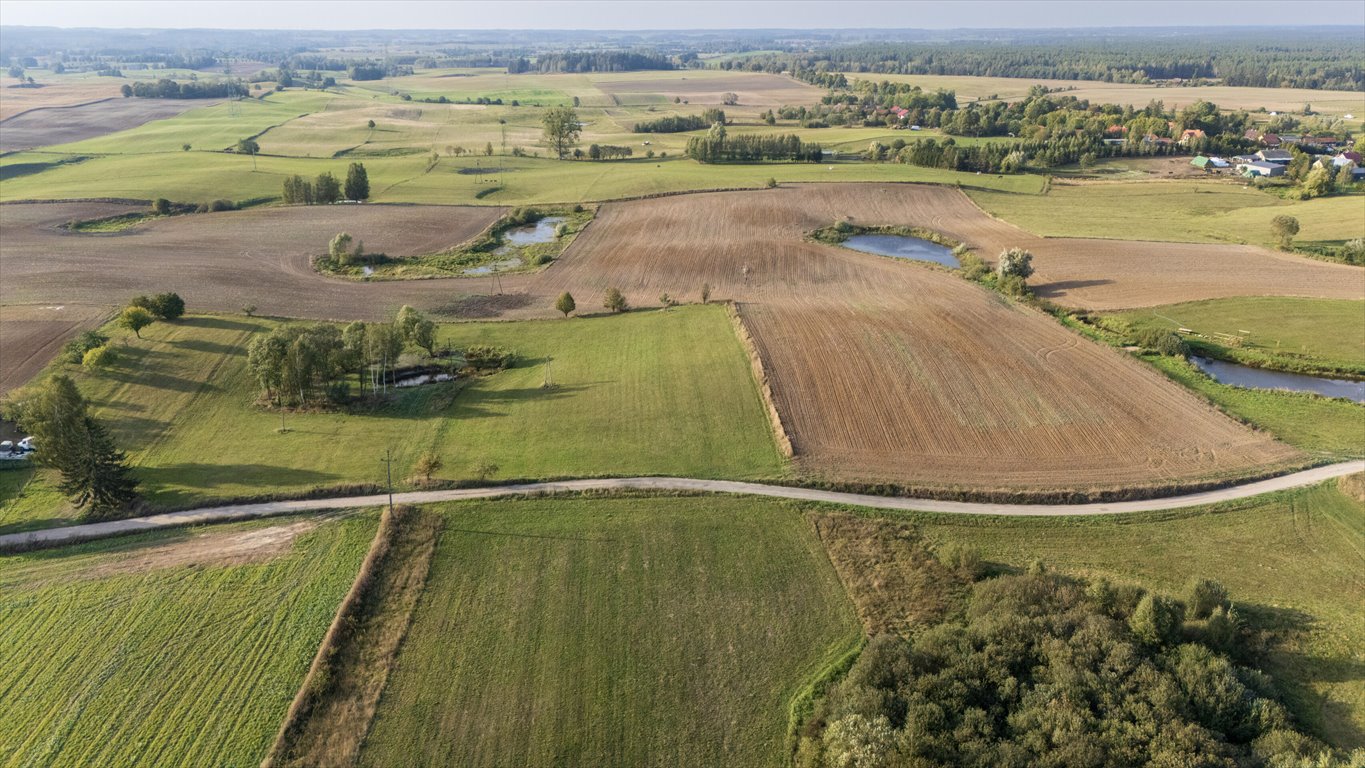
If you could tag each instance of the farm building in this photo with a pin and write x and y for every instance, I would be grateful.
(1261, 168)
(1200, 161)
(1280, 156)
(1346, 157)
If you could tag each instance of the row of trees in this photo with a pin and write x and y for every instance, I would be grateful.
(717, 147)
(608, 152)
(166, 88)
(681, 123)
(326, 188)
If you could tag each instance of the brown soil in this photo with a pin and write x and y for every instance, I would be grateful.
(50, 125)
(31, 335)
(16, 101)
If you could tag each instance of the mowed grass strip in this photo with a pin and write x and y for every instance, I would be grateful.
(1288, 333)
(622, 631)
(186, 665)
(657, 392)
(1175, 211)
(1291, 561)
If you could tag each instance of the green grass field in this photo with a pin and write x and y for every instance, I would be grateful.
(1181, 211)
(1326, 427)
(1291, 561)
(631, 631)
(107, 662)
(1285, 333)
(663, 392)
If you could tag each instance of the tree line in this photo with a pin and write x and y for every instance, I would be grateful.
(681, 123)
(718, 147)
(166, 88)
(1282, 58)
(591, 61)
(325, 188)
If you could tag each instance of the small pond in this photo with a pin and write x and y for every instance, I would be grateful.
(1258, 378)
(902, 247)
(499, 266)
(542, 231)
(423, 378)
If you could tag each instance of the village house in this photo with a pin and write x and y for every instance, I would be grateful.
(1191, 134)
(1349, 156)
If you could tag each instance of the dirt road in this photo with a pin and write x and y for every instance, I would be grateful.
(206, 515)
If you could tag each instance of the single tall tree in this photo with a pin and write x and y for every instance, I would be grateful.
(357, 182)
(561, 130)
(249, 147)
(614, 301)
(67, 438)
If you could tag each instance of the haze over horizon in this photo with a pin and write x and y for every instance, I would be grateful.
(674, 15)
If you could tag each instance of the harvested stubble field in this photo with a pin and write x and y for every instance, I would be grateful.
(223, 261)
(31, 335)
(886, 371)
(48, 126)
(16, 100)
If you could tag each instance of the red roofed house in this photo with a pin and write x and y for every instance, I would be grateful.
(1270, 139)
(1191, 134)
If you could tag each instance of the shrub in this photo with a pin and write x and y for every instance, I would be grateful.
(965, 560)
(771, 183)
(972, 266)
(1203, 596)
(221, 204)
(1015, 261)
(162, 207)
(1155, 620)
(99, 357)
(74, 350)
(1012, 285)
(339, 249)
(1162, 342)
(166, 306)
(486, 358)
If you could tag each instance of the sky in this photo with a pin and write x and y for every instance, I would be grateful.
(673, 14)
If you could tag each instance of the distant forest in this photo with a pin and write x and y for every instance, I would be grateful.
(1282, 59)
(593, 61)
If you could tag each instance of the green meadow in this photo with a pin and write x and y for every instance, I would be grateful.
(661, 392)
(613, 631)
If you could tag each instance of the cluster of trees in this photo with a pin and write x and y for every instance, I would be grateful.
(94, 472)
(366, 72)
(326, 188)
(310, 365)
(717, 147)
(142, 311)
(166, 88)
(608, 152)
(1041, 669)
(592, 61)
(1282, 58)
(681, 123)
(1316, 176)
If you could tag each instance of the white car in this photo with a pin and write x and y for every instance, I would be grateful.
(26, 444)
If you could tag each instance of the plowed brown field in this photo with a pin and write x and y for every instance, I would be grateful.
(30, 336)
(881, 370)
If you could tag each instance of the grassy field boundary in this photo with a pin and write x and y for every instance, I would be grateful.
(331, 714)
(780, 433)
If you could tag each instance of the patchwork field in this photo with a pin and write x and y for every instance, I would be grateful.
(1292, 562)
(673, 631)
(44, 126)
(649, 393)
(897, 343)
(182, 648)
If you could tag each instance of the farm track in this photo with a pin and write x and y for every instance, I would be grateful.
(208, 515)
(881, 370)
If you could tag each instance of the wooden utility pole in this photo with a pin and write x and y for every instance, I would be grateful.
(388, 474)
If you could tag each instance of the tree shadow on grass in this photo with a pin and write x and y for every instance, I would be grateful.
(1062, 286)
(223, 323)
(198, 476)
(209, 347)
